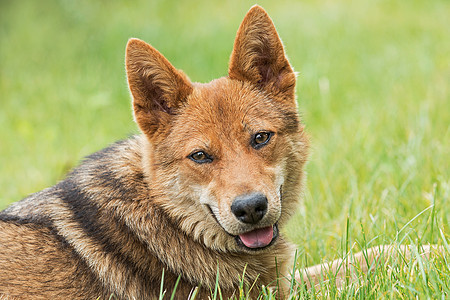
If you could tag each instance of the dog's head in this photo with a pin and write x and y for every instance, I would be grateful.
(225, 158)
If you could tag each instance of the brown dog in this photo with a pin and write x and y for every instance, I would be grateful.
(202, 194)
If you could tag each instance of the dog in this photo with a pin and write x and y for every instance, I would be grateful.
(197, 201)
(200, 196)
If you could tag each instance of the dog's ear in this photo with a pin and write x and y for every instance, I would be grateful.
(158, 89)
(258, 55)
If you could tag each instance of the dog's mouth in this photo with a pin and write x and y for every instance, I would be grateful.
(258, 239)
(254, 240)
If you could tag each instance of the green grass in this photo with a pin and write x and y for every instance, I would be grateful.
(374, 92)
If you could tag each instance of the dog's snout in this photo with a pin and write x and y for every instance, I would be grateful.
(249, 208)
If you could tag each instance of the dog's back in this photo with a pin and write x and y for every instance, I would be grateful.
(45, 237)
(35, 264)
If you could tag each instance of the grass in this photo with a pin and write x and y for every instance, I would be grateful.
(373, 90)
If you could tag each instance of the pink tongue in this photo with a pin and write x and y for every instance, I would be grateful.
(257, 238)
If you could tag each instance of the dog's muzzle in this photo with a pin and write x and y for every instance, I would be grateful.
(250, 209)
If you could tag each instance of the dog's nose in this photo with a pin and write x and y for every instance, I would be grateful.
(249, 208)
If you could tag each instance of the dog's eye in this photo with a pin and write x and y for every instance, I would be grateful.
(260, 139)
(200, 157)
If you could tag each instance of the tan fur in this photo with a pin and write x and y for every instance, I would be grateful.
(142, 205)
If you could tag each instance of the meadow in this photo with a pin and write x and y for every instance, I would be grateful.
(373, 90)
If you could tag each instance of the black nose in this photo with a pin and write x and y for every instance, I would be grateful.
(249, 208)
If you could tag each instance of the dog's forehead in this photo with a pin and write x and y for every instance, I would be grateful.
(230, 103)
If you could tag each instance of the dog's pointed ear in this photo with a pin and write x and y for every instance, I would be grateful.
(157, 88)
(258, 55)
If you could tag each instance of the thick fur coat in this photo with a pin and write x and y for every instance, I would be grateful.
(204, 191)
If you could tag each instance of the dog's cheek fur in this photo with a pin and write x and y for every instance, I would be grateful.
(168, 170)
(293, 186)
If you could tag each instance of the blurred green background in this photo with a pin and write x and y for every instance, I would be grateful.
(373, 86)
